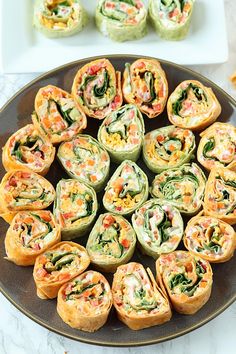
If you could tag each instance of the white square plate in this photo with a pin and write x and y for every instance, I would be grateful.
(23, 49)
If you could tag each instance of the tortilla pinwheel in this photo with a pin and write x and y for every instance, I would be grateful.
(75, 208)
(84, 303)
(193, 106)
(220, 195)
(159, 227)
(217, 147)
(57, 115)
(30, 234)
(111, 242)
(122, 132)
(28, 150)
(168, 147)
(183, 187)
(24, 190)
(97, 88)
(56, 266)
(138, 300)
(186, 278)
(85, 159)
(59, 18)
(171, 18)
(126, 190)
(145, 84)
(121, 20)
(210, 238)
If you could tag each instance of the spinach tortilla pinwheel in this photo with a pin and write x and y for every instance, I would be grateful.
(145, 84)
(159, 227)
(193, 106)
(168, 147)
(138, 300)
(217, 147)
(186, 278)
(111, 242)
(97, 88)
(183, 187)
(59, 18)
(126, 190)
(75, 207)
(122, 20)
(58, 265)
(220, 195)
(30, 234)
(28, 150)
(57, 115)
(171, 18)
(24, 190)
(85, 159)
(210, 238)
(122, 132)
(84, 303)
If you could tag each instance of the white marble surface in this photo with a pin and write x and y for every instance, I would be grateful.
(20, 335)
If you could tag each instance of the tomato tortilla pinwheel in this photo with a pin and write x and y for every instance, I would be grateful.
(138, 300)
(85, 159)
(210, 238)
(159, 227)
(220, 195)
(111, 242)
(57, 115)
(217, 147)
(27, 149)
(29, 235)
(24, 190)
(84, 303)
(145, 84)
(126, 190)
(183, 187)
(171, 18)
(193, 106)
(122, 20)
(122, 133)
(97, 88)
(186, 279)
(59, 18)
(56, 266)
(168, 147)
(75, 208)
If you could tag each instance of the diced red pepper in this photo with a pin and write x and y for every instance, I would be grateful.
(125, 243)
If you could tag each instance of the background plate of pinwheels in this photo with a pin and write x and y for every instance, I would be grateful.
(17, 282)
(31, 51)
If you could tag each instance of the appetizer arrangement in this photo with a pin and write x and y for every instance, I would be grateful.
(120, 20)
(134, 210)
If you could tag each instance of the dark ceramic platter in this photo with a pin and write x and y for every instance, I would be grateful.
(16, 283)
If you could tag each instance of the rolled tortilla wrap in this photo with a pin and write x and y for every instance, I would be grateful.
(145, 84)
(75, 208)
(57, 115)
(186, 278)
(138, 300)
(59, 264)
(126, 190)
(111, 242)
(122, 133)
(84, 303)
(97, 88)
(29, 235)
(27, 149)
(159, 227)
(193, 106)
(24, 190)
